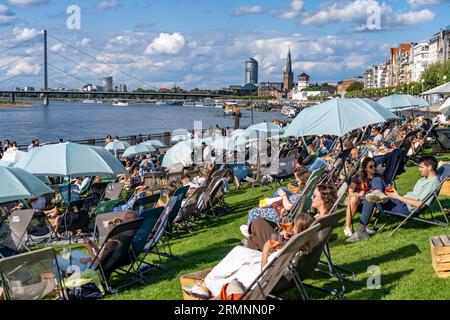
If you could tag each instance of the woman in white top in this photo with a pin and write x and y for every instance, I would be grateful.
(244, 264)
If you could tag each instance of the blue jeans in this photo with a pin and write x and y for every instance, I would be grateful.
(65, 266)
(317, 164)
(288, 192)
(393, 205)
(380, 159)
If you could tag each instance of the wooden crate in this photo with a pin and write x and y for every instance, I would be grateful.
(440, 254)
(445, 190)
(193, 278)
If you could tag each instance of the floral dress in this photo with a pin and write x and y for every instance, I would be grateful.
(270, 214)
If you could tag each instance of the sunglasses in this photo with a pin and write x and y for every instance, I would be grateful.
(371, 167)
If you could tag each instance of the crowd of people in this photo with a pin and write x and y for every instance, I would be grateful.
(361, 159)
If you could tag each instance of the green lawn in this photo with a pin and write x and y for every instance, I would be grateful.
(404, 259)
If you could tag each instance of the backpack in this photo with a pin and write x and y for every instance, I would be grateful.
(84, 293)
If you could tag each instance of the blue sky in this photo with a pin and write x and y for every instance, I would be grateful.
(204, 43)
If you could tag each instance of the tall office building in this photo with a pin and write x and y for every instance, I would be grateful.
(107, 84)
(251, 71)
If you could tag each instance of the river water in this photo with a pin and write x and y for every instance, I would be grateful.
(78, 121)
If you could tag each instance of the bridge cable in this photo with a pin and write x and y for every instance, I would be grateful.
(105, 63)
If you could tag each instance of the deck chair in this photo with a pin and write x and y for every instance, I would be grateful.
(145, 203)
(122, 255)
(212, 203)
(394, 165)
(102, 222)
(265, 283)
(153, 181)
(18, 223)
(305, 202)
(341, 193)
(8, 246)
(139, 241)
(188, 212)
(112, 191)
(444, 175)
(64, 191)
(305, 267)
(31, 276)
(328, 223)
(182, 191)
(442, 140)
(159, 230)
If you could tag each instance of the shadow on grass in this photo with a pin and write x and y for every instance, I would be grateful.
(190, 261)
(360, 268)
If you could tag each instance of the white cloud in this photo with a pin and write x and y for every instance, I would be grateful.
(360, 13)
(356, 11)
(23, 67)
(6, 16)
(27, 3)
(413, 17)
(58, 48)
(25, 33)
(249, 10)
(420, 3)
(166, 44)
(297, 5)
(107, 4)
(84, 42)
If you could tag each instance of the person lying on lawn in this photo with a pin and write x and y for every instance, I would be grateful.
(393, 201)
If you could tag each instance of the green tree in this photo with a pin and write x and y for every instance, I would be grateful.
(355, 86)
(433, 76)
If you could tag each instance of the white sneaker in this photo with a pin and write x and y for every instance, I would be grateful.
(370, 232)
(244, 231)
(358, 236)
(373, 197)
(383, 197)
(348, 232)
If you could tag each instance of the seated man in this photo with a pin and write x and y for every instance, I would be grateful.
(396, 203)
(186, 181)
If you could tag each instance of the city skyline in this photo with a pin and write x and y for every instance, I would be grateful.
(203, 44)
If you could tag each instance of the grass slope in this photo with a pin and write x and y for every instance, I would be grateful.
(404, 259)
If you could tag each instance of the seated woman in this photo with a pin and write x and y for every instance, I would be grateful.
(245, 264)
(170, 191)
(301, 176)
(201, 180)
(82, 261)
(261, 230)
(418, 141)
(279, 209)
(139, 192)
(361, 184)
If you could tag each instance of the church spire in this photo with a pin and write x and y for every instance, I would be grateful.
(289, 62)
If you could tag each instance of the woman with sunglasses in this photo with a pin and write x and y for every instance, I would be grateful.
(261, 230)
(360, 186)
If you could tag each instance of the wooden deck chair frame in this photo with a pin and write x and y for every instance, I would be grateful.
(266, 281)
